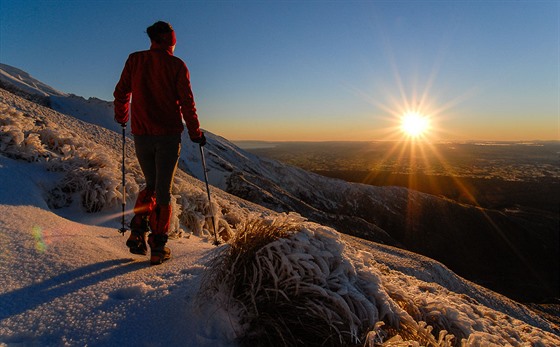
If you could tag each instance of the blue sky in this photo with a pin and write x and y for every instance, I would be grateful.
(315, 70)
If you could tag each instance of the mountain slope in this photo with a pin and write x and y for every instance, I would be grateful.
(100, 294)
(486, 246)
(92, 110)
(22, 81)
(69, 282)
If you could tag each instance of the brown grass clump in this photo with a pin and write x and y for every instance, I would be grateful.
(281, 283)
(231, 267)
(280, 292)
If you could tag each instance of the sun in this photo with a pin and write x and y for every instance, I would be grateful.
(414, 125)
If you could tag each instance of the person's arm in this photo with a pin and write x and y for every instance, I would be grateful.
(122, 93)
(188, 108)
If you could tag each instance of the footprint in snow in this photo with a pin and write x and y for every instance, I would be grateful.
(194, 270)
(131, 292)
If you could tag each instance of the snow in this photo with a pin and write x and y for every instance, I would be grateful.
(92, 110)
(69, 280)
(67, 283)
(24, 82)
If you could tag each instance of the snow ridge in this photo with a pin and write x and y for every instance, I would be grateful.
(23, 81)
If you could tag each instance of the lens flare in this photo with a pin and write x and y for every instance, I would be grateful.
(41, 243)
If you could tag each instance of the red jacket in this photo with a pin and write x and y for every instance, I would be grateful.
(161, 94)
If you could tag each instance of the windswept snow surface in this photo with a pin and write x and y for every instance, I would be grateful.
(70, 284)
(68, 279)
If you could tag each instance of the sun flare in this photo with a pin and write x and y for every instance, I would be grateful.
(414, 124)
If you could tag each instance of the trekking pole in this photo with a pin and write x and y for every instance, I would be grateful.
(123, 229)
(216, 242)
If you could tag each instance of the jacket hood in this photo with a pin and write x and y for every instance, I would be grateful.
(162, 47)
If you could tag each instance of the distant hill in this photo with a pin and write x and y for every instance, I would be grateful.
(20, 80)
(91, 110)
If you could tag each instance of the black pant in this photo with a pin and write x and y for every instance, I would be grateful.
(158, 156)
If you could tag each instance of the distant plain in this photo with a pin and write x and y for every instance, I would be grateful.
(508, 176)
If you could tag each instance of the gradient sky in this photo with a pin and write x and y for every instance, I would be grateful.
(315, 70)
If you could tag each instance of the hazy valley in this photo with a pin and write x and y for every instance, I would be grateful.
(498, 175)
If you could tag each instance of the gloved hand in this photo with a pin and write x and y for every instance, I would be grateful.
(200, 140)
(123, 124)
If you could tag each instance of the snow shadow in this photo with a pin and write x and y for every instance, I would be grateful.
(32, 296)
(20, 185)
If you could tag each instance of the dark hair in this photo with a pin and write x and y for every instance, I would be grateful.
(155, 30)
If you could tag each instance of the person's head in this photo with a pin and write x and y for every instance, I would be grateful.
(162, 33)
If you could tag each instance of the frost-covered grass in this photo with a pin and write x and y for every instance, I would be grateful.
(90, 174)
(289, 285)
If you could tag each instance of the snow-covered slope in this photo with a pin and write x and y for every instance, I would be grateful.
(69, 280)
(484, 242)
(20, 79)
(70, 283)
(92, 110)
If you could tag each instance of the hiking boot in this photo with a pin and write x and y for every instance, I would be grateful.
(159, 253)
(136, 242)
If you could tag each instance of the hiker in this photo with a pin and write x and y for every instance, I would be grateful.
(159, 85)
